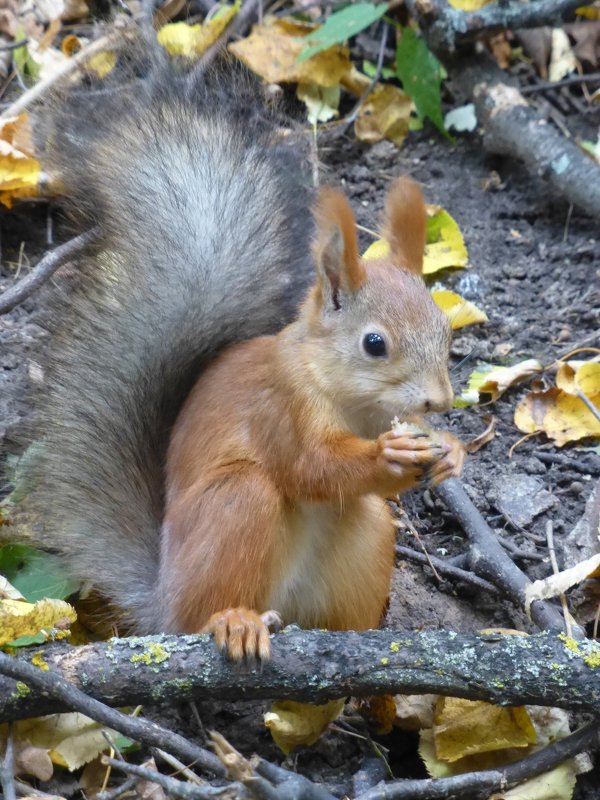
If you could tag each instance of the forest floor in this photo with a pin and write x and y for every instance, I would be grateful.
(535, 269)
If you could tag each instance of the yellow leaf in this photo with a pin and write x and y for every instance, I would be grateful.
(468, 5)
(19, 171)
(181, 39)
(445, 245)
(494, 381)
(581, 377)
(18, 618)
(561, 416)
(465, 727)
(378, 249)
(589, 12)
(322, 102)
(384, 115)
(272, 51)
(102, 63)
(70, 739)
(459, 311)
(295, 724)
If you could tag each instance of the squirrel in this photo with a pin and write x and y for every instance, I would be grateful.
(206, 452)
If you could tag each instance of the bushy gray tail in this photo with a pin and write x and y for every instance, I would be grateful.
(204, 240)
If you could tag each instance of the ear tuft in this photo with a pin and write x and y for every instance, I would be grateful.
(335, 248)
(405, 223)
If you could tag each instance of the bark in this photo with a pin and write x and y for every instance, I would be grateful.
(545, 669)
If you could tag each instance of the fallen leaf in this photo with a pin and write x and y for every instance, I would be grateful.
(379, 711)
(462, 118)
(322, 102)
(414, 711)
(71, 740)
(421, 76)
(19, 170)
(494, 381)
(560, 582)
(190, 41)
(384, 115)
(340, 26)
(586, 37)
(479, 441)
(272, 51)
(537, 43)
(562, 58)
(445, 245)
(561, 416)
(459, 311)
(295, 724)
(466, 727)
(48, 617)
(583, 377)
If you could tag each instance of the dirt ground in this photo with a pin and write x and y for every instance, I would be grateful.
(534, 268)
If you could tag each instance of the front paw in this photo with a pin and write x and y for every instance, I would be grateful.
(409, 454)
(450, 464)
(242, 633)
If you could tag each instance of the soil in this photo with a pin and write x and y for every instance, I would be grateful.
(534, 268)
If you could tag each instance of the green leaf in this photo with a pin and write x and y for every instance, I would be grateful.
(420, 73)
(341, 25)
(370, 70)
(26, 641)
(35, 574)
(125, 745)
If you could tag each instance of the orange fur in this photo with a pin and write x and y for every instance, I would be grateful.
(405, 224)
(275, 480)
(336, 247)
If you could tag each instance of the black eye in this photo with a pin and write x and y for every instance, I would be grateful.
(374, 344)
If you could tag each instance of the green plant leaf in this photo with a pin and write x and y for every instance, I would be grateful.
(341, 25)
(370, 70)
(35, 574)
(27, 641)
(420, 73)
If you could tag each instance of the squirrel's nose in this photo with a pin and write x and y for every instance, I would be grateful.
(439, 399)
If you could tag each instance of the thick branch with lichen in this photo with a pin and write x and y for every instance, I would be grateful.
(544, 669)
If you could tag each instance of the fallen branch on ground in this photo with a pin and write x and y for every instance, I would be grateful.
(511, 127)
(481, 784)
(313, 666)
(44, 269)
(447, 28)
(488, 559)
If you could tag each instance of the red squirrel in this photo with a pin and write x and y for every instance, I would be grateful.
(197, 480)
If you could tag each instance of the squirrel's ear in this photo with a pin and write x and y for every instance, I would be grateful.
(335, 247)
(404, 225)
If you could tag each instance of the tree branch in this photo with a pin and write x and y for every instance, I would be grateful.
(44, 269)
(545, 669)
(447, 28)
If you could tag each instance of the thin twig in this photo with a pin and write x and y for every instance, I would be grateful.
(488, 559)
(482, 784)
(117, 791)
(448, 569)
(14, 45)
(177, 764)
(70, 65)
(570, 80)
(585, 399)
(356, 110)
(44, 269)
(141, 730)
(171, 785)
(7, 768)
(555, 570)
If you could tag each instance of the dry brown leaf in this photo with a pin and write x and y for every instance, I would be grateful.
(384, 115)
(560, 582)
(479, 441)
(272, 51)
(586, 36)
(537, 43)
(295, 724)
(414, 711)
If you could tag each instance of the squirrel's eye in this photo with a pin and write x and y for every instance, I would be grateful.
(374, 344)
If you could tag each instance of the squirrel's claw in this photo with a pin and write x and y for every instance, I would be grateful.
(242, 633)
